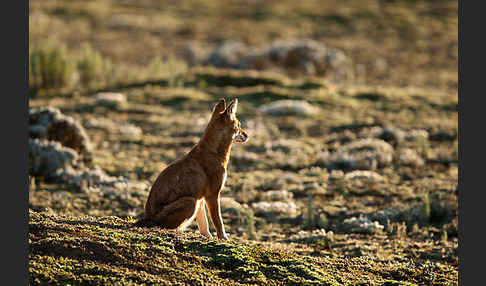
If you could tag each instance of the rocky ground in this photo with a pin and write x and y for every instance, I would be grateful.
(346, 180)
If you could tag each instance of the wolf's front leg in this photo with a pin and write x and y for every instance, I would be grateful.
(215, 213)
(202, 220)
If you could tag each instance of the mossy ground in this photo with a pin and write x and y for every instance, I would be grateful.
(110, 250)
(84, 235)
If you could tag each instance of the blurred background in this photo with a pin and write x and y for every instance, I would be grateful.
(399, 43)
(351, 107)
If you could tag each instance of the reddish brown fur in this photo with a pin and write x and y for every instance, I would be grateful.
(180, 191)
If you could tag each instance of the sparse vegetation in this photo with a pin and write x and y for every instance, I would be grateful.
(49, 66)
(94, 70)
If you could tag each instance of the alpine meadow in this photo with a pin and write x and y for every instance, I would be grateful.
(341, 118)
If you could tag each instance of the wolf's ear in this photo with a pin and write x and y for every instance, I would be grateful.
(232, 107)
(220, 107)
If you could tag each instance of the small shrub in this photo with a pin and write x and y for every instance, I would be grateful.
(93, 69)
(155, 68)
(423, 145)
(444, 237)
(170, 68)
(49, 67)
(455, 151)
(310, 211)
(250, 222)
(426, 211)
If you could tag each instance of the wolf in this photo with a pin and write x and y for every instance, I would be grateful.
(183, 189)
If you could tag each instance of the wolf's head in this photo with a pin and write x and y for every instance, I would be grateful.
(224, 122)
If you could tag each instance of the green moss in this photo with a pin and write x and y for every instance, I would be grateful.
(243, 263)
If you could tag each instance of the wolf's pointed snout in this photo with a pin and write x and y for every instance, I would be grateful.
(242, 137)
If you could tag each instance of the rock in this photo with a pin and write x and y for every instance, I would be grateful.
(50, 124)
(271, 208)
(417, 135)
(282, 195)
(363, 154)
(49, 158)
(111, 99)
(289, 107)
(229, 205)
(336, 175)
(302, 56)
(309, 57)
(194, 53)
(361, 225)
(228, 55)
(409, 157)
(306, 234)
(366, 176)
(59, 148)
(316, 236)
(58, 163)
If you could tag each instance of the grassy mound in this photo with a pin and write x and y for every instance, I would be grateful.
(109, 250)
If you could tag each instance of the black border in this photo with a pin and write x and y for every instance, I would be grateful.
(471, 149)
(14, 25)
(460, 138)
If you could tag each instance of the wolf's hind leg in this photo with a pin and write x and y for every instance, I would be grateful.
(176, 214)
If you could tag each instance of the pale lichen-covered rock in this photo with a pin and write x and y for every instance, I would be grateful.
(312, 233)
(276, 195)
(417, 135)
(59, 149)
(230, 54)
(363, 175)
(363, 154)
(289, 107)
(194, 53)
(302, 56)
(50, 124)
(230, 205)
(49, 158)
(110, 99)
(55, 162)
(408, 157)
(270, 208)
(309, 57)
(336, 175)
(361, 225)
(316, 236)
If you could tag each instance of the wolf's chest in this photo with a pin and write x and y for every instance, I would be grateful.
(223, 181)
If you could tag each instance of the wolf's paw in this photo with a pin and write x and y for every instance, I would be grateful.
(207, 235)
(223, 237)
